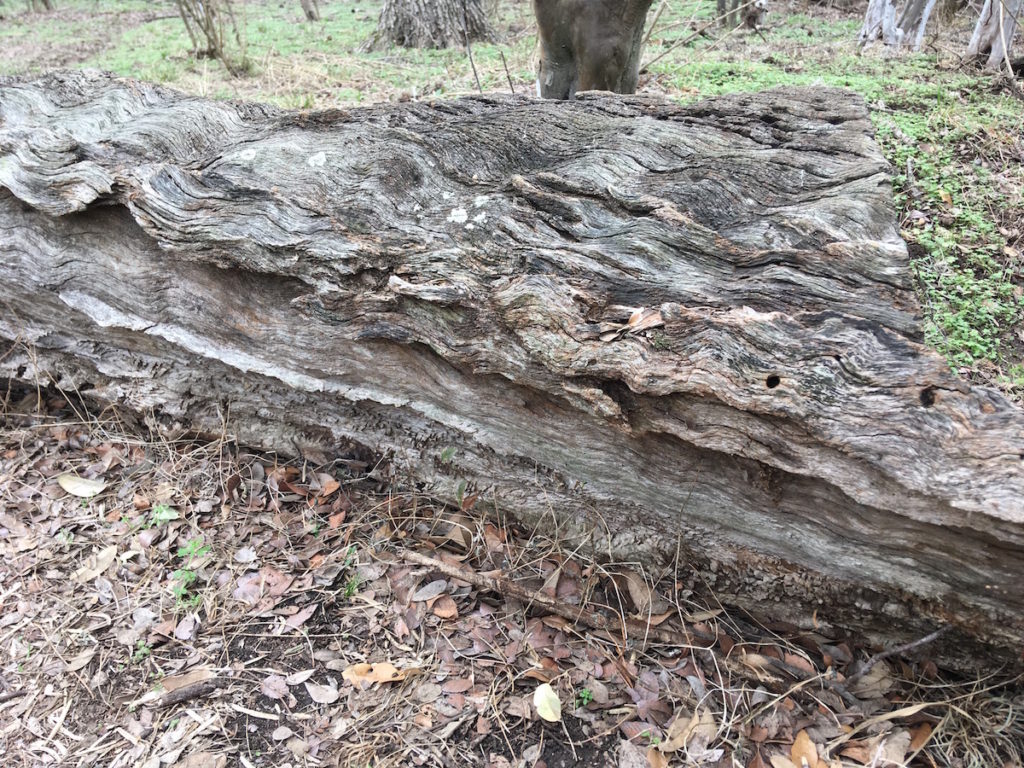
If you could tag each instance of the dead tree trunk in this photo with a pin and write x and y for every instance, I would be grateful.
(430, 24)
(311, 9)
(667, 330)
(905, 30)
(994, 33)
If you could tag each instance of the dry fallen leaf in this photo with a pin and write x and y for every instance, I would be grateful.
(80, 660)
(431, 590)
(656, 759)
(367, 674)
(803, 751)
(322, 694)
(82, 487)
(281, 733)
(547, 703)
(779, 761)
(920, 736)
(95, 565)
(444, 607)
(274, 687)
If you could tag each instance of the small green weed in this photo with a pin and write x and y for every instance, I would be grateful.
(584, 697)
(142, 651)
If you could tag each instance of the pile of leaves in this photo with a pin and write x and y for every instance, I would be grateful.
(187, 603)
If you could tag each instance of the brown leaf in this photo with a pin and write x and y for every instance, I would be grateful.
(457, 685)
(920, 736)
(757, 761)
(803, 751)
(656, 759)
(367, 674)
(445, 608)
(779, 761)
(297, 619)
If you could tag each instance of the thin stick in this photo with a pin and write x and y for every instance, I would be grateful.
(507, 75)
(895, 652)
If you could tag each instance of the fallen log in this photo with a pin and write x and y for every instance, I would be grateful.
(666, 331)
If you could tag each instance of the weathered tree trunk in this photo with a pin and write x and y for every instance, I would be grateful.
(431, 23)
(995, 31)
(312, 10)
(881, 23)
(663, 329)
(747, 13)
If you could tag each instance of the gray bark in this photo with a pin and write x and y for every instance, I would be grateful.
(431, 24)
(906, 31)
(660, 328)
(311, 9)
(995, 32)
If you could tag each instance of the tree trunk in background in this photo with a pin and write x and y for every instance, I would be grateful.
(686, 334)
(431, 24)
(311, 9)
(905, 31)
(995, 31)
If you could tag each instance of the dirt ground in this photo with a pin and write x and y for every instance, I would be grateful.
(186, 603)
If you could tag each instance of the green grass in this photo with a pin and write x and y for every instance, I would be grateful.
(938, 126)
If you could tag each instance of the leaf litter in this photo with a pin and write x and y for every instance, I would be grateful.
(213, 606)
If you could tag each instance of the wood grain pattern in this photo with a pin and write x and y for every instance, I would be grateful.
(421, 277)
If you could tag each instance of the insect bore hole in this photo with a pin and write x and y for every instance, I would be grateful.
(928, 397)
(772, 381)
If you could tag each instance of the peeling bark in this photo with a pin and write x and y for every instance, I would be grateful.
(452, 285)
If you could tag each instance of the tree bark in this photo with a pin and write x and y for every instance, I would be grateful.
(431, 24)
(311, 9)
(881, 23)
(686, 334)
(995, 31)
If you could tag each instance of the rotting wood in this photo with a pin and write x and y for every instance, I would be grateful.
(451, 285)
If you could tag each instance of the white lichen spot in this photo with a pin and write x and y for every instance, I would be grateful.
(480, 217)
(458, 216)
(317, 160)
(470, 226)
(247, 154)
(479, 200)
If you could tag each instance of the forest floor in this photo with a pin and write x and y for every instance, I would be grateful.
(193, 604)
(188, 603)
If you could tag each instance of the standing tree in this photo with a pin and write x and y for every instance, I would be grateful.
(994, 32)
(882, 23)
(312, 9)
(431, 23)
(211, 25)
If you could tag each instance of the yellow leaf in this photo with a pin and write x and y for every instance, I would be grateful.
(81, 487)
(548, 705)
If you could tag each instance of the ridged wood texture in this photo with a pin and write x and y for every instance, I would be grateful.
(441, 283)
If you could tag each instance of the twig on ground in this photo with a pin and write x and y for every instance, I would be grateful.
(929, 638)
